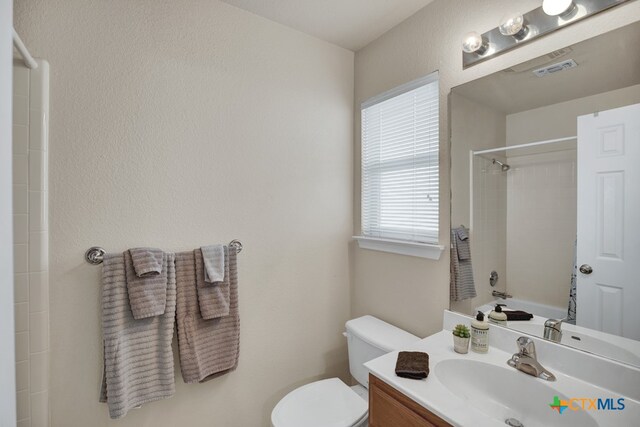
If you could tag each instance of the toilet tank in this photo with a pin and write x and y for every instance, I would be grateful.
(368, 338)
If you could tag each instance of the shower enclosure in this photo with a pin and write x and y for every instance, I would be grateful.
(31, 249)
(524, 220)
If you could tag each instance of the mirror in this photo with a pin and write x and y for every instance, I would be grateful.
(545, 177)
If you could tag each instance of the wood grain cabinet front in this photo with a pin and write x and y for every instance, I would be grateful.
(390, 408)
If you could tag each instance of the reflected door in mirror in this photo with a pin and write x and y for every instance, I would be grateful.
(608, 288)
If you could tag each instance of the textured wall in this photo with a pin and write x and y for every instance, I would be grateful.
(176, 124)
(412, 292)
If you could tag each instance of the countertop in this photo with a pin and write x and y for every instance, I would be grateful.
(432, 394)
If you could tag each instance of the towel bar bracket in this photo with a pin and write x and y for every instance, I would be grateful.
(95, 254)
(237, 244)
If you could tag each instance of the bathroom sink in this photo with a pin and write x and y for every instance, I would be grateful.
(503, 393)
(584, 342)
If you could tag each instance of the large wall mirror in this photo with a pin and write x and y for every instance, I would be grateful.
(545, 177)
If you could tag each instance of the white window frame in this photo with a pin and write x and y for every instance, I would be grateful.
(431, 250)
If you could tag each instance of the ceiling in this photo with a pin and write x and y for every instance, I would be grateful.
(606, 62)
(351, 24)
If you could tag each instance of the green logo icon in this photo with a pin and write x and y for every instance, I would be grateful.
(558, 405)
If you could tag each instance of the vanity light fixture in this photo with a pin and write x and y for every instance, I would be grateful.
(516, 29)
(513, 24)
(558, 7)
(474, 43)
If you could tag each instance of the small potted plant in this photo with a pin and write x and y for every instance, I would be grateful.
(461, 336)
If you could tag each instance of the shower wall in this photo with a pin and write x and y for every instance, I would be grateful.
(541, 226)
(30, 233)
(489, 242)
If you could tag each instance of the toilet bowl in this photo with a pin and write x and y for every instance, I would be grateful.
(332, 403)
(326, 403)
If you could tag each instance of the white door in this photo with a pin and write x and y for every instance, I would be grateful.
(608, 254)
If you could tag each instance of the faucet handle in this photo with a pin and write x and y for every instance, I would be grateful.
(526, 347)
(554, 323)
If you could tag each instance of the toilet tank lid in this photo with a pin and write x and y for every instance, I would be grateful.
(380, 334)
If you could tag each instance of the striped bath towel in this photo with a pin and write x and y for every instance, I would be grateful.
(208, 348)
(138, 360)
(461, 286)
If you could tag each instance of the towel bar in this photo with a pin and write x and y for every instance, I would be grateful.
(95, 254)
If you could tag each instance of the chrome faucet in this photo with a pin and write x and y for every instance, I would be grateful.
(525, 360)
(499, 294)
(553, 330)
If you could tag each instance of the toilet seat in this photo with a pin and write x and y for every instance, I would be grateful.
(326, 403)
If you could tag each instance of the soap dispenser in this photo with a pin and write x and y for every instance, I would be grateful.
(479, 334)
(497, 316)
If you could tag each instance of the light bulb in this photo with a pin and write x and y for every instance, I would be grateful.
(557, 7)
(512, 24)
(473, 42)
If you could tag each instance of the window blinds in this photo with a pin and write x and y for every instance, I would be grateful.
(400, 174)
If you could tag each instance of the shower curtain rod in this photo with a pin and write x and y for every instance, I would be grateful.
(530, 144)
(26, 56)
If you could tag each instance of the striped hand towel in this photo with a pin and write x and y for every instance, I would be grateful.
(461, 286)
(138, 359)
(462, 244)
(214, 260)
(147, 261)
(147, 293)
(213, 298)
(208, 348)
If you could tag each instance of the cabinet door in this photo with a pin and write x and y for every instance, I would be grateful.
(390, 408)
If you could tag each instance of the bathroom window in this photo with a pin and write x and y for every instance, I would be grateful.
(400, 172)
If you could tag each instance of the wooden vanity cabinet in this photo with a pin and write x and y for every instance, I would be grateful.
(390, 408)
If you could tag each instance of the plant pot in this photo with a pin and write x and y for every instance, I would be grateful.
(461, 345)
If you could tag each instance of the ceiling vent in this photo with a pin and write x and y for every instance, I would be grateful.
(539, 61)
(560, 52)
(555, 68)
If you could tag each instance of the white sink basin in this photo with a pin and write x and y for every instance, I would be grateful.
(583, 341)
(504, 393)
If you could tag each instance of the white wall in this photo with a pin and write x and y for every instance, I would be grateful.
(176, 124)
(412, 292)
(7, 356)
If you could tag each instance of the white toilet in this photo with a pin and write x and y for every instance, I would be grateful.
(332, 403)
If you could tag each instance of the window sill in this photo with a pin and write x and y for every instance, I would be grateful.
(421, 250)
